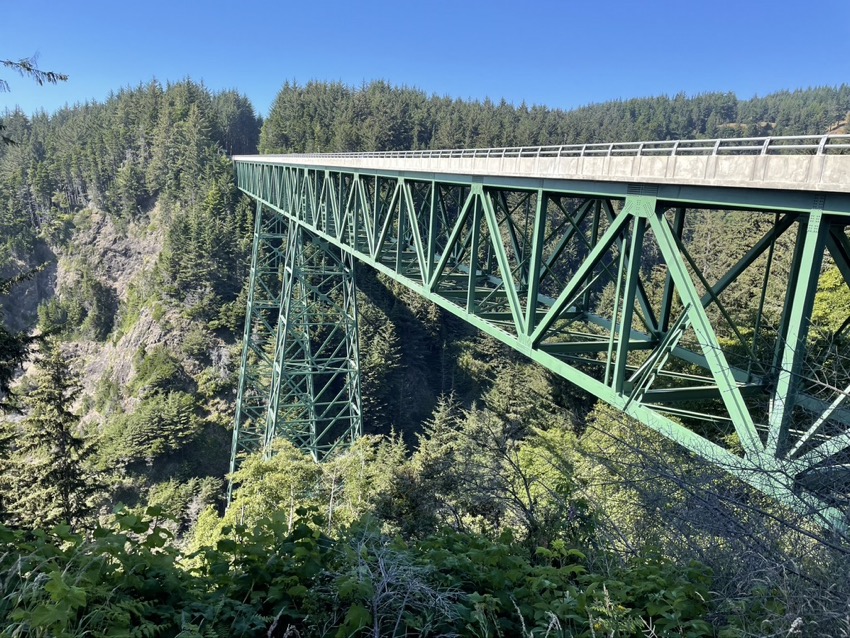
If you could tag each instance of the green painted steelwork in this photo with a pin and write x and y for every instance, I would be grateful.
(558, 270)
(315, 384)
(300, 376)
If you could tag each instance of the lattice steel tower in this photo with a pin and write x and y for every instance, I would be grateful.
(299, 376)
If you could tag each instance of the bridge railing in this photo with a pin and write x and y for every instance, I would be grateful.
(785, 145)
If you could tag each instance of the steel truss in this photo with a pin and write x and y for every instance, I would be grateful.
(596, 282)
(300, 375)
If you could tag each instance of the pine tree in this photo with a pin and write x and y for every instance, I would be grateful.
(379, 369)
(27, 67)
(7, 443)
(14, 350)
(49, 480)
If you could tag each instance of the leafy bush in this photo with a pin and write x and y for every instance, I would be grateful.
(196, 343)
(107, 394)
(184, 501)
(211, 382)
(123, 581)
(281, 574)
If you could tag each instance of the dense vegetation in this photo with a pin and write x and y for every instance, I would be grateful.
(323, 117)
(489, 498)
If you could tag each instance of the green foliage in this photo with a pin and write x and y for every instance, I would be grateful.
(231, 314)
(85, 307)
(121, 581)
(271, 564)
(405, 359)
(196, 343)
(200, 263)
(147, 144)
(108, 394)
(126, 579)
(28, 67)
(211, 383)
(378, 368)
(466, 474)
(14, 350)
(48, 480)
(156, 371)
(331, 117)
(512, 592)
(182, 502)
(163, 424)
(130, 309)
(238, 128)
(286, 481)
(14, 347)
(832, 302)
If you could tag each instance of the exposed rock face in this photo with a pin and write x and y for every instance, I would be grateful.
(21, 306)
(94, 360)
(115, 255)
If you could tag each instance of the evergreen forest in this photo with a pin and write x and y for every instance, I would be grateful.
(487, 497)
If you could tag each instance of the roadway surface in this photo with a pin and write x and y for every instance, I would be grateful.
(807, 163)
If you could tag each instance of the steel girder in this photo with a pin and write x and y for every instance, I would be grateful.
(299, 376)
(596, 282)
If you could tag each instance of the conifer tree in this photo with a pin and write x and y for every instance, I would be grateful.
(49, 480)
(27, 67)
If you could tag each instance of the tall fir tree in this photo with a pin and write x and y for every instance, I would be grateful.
(49, 482)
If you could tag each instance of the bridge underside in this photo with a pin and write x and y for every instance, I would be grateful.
(605, 284)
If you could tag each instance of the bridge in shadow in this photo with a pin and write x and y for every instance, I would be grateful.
(585, 258)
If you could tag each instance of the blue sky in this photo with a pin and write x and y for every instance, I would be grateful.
(561, 54)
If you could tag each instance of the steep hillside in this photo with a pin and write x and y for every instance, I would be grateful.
(131, 207)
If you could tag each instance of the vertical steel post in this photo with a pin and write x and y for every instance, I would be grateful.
(615, 312)
(810, 246)
(475, 234)
(667, 297)
(629, 292)
(258, 334)
(594, 237)
(538, 238)
(760, 312)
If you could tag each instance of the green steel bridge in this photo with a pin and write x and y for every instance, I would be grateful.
(579, 257)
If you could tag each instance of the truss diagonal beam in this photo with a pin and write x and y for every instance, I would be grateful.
(810, 245)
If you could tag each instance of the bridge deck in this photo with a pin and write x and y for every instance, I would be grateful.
(808, 163)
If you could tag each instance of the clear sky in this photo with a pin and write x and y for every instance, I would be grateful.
(560, 54)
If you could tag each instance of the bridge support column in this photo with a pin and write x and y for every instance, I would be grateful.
(300, 375)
